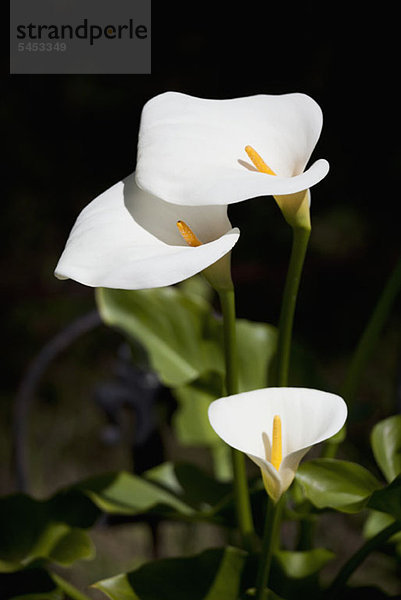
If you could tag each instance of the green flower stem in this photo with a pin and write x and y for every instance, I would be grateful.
(357, 559)
(299, 246)
(70, 590)
(243, 505)
(273, 517)
(300, 239)
(365, 346)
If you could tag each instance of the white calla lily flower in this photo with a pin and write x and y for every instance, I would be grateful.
(200, 152)
(276, 427)
(129, 239)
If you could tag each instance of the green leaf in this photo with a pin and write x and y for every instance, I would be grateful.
(386, 446)
(197, 287)
(191, 423)
(183, 337)
(337, 484)
(169, 324)
(376, 522)
(199, 487)
(182, 491)
(298, 565)
(256, 344)
(125, 493)
(75, 543)
(388, 499)
(164, 475)
(190, 483)
(33, 529)
(212, 575)
(256, 348)
(117, 588)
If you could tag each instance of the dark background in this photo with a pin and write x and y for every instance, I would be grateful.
(68, 138)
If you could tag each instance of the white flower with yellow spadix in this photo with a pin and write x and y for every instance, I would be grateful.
(199, 151)
(130, 239)
(276, 427)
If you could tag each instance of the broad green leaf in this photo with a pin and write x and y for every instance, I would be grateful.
(337, 484)
(386, 446)
(212, 575)
(125, 493)
(199, 487)
(198, 288)
(190, 421)
(388, 499)
(75, 542)
(190, 483)
(33, 529)
(164, 475)
(179, 491)
(377, 521)
(227, 580)
(298, 565)
(169, 324)
(256, 348)
(117, 588)
(29, 584)
(183, 336)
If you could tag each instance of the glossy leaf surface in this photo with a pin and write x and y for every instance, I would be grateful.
(183, 336)
(386, 446)
(51, 529)
(336, 484)
(126, 493)
(212, 575)
(170, 325)
(298, 565)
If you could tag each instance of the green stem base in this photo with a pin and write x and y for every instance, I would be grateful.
(273, 518)
(242, 500)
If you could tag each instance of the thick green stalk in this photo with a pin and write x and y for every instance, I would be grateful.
(243, 505)
(301, 234)
(334, 591)
(269, 545)
(70, 590)
(299, 246)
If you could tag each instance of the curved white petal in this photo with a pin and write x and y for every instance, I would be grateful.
(308, 416)
(128, 239)
(191, 150)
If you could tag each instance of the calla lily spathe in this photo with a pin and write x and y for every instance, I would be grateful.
(245, 421)
(128, 239)
(192, 150)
